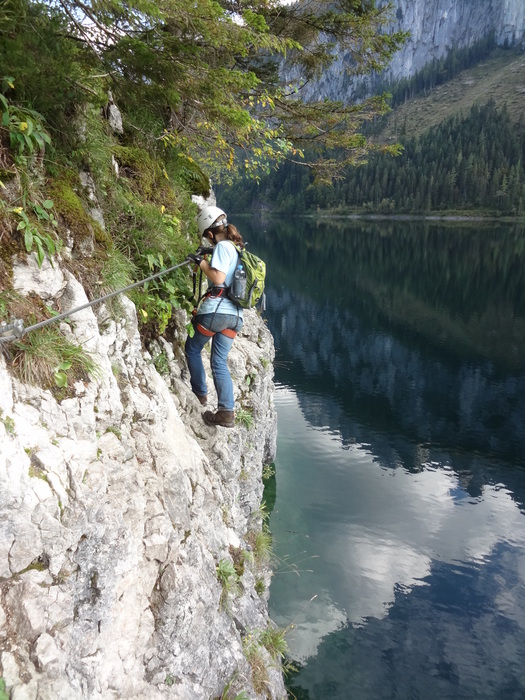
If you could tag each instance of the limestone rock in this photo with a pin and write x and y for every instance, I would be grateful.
(113, 115)
(95, 211)
(47, 281)
(116, 506)
(435, 26)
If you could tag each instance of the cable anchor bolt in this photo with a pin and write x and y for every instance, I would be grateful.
(11, 331)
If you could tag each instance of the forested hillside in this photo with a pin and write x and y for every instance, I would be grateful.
(463, 149)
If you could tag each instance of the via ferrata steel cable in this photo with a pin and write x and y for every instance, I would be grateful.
(17, 327)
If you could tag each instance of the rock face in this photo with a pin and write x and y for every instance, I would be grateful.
(435, 26)
(440, 25)
(116, 506)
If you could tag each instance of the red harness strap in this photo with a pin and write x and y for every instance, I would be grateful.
(203, 330)
(227, 331)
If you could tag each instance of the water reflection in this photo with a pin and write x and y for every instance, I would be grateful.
(382, 379)
(401, 457)
(416, 328)
(377, 532)
(459, 290)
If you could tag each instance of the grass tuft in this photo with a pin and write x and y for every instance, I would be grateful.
(44, 357)
(254, 656)
(272, 638)
(244, 417)
(229, 579)
(261, 543)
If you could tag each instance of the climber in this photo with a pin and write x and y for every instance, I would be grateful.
(217, 317)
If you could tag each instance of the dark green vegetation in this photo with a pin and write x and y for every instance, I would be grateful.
(466, 163)
(463, 134)
(448, 285)
(198, 92)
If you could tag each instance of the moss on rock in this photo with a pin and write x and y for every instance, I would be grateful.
(185, 170)
(70, 207)
(137, 165)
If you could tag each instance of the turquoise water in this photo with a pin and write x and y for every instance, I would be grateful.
(398, 519)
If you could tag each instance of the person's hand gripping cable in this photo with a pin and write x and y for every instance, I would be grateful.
(198, 257)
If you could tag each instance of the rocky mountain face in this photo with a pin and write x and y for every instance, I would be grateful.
(435, 26)
(117, 505)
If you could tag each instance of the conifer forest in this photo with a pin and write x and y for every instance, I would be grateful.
(464, 164)
(472, 161)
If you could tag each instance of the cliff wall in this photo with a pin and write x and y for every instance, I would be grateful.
(435, 26)
(117, 504)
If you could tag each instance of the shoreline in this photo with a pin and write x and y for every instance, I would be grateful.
(393, 217)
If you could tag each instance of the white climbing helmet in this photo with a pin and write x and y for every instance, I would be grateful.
(207, 216)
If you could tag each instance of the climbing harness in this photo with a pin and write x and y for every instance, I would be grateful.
(217, 292)
(15, 329)
(206, 331)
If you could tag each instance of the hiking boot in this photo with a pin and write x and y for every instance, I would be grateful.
(202, 399)
(222, 417)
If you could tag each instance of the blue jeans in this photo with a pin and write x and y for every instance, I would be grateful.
(220, 347)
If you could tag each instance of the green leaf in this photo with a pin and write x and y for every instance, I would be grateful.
(28, 239)
(50, 245)
(48, 204)
(29, 143)
(60, 379)
(38, 138)
(40, 254)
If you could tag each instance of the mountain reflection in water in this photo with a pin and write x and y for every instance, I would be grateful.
(398, 521)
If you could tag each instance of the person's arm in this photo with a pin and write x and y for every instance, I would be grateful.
(215, 276)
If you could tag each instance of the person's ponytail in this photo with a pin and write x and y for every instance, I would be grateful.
(234, 236)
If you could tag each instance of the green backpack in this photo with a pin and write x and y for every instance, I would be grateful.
(248, 295)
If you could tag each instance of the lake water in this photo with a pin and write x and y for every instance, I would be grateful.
(398, 502)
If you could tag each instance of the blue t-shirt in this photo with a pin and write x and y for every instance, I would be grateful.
(225, 259)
